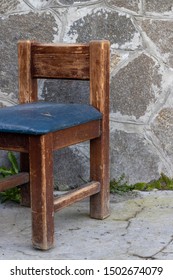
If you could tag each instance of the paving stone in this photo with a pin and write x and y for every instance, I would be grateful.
(138, 228)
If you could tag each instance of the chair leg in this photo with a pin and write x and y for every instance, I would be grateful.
(25, 189)
(41, 182)
(99, 171)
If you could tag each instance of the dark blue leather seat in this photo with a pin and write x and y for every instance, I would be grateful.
(44, 117)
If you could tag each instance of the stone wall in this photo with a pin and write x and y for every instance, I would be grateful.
(140, 32)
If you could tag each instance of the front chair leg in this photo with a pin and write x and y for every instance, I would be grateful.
(25, 189)
(41, 183)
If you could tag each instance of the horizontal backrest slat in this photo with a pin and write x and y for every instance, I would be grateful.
(60, 61)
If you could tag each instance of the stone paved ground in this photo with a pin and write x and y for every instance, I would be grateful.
(140, 227)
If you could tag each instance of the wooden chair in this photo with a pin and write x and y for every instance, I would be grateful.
(36, 129)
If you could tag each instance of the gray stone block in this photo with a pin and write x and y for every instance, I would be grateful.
(163, 129)
(71, 2)
(71, 166)
(158, 6)
(101, 23)
(130, 4)
(66, 91)
(133, 156)
(34, 26)
(7, 6)
(160, 33)
(133, 87)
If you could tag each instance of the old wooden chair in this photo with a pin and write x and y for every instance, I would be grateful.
(36, 129)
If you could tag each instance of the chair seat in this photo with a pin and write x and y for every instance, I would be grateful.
(44, 117)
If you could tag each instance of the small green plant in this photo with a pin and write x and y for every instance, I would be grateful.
(163, 183)
(121, 185)
(14, 193)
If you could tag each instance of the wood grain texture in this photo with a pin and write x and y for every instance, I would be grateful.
(25, 187)
(27, 93)
(76, 195)
(41, 183)
(60, 61)
(14, 142)
(27, 85)
(76, 134)
(99, 147)
(14, 181)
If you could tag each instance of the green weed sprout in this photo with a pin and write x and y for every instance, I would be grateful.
(14, 193)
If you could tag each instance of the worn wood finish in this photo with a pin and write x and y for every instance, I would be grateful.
(61, 139)
(27, 93)
(27, 85)
(60, 61)
(14, 181)
(41, 183)
(76, 195)
(25, 187)
(14, 142)
(76, 134)
(99, 148)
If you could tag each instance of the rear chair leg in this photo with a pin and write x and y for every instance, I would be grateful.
(99, 148)
(25, 189)
(41, 182)
(99, 171)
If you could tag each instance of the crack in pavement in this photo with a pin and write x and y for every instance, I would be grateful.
(26, 254)
(129, 220)
(153, 257)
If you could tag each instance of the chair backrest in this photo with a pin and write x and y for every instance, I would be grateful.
(65, 61)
